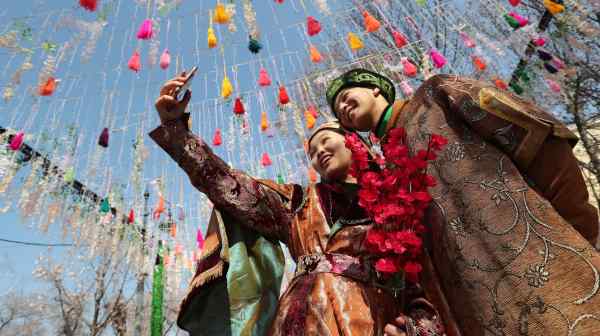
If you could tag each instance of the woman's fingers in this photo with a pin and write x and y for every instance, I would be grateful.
(392, 330)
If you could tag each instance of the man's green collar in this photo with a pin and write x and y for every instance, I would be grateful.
(383, 121)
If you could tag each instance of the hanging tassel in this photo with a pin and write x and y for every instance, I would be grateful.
(280, 179)
(266, 160)
(557, 63)
(226, 88)
(313, 27)
(48, 88)
(544, 55)
(221, 15)
(439, 61)
(310, 119)
(103, 139)
(512, 22)
(355, 42)
(134, 62)
(253, 45)
(212, 38)
(516, 88)
(521, 20)
(399, 39)
(238, 106)
(371, 23)
(217, 140)
(479, 63)
(173, 230)
(539, 42)
(315, 55)
(407, 90)
(104, 205)
(312, 175)
(157, 319)
(145, 32)
(514, 3)
(283, 96)
(17, 141)
(199, 239)
(264, 123)
(160, 208)
(131, 217)
(69, 175)
(554, 86)
(313, 111)
(500, 84)
(467, 40)
(90, 5)
(550, 68)
(553, 7)
(409, 69)
(263, 78)
(165, 59)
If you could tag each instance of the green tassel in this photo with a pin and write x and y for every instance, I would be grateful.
(105, 206)
(512, 21)
(69, 175)
(156, 323)
(517, 88)
(280, 179)
(254, 45)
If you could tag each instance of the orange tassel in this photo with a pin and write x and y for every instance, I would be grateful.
(312, 175)
(47, 89)
(174, 230)
(264, 123)
(371, 23)
(160, 208)
(479, 63)
(500, 84)
(310, 119)
(315, 55)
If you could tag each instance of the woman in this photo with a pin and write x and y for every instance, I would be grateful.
(334, 292)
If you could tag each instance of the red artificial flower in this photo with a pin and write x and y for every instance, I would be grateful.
(437, 142)
(412, 270)
(386, 265)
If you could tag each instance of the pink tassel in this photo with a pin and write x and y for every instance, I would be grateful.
(559, 64)
(522, 21)
(554, 86)
(266, 160)
(439, 61)
(539, 42)
(199, 239)
(134, 62)
(399, 39)
(263, 78)
(467, 40)
(313, 27)
(407, 90)
(313, 111)
(410, 70)
(165, 59)
(145, 32)
(17, 141)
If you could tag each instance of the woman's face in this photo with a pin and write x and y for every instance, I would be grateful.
(329, 155)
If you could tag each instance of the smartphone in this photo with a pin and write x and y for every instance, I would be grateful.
(186, 85)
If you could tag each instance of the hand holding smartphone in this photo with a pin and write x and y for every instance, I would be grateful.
(180, 93)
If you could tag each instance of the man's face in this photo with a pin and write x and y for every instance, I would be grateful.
(329, 155)
(355, 106)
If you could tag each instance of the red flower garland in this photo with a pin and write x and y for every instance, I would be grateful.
(395, 197)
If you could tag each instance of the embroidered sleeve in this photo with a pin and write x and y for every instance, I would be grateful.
(254, 204)
(518, 127)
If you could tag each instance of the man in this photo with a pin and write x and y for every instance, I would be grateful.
(512, 231)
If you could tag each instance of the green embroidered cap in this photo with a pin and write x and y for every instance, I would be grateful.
(360, 78)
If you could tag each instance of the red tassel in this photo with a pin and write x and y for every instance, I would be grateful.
(134, 62)
(283, 96)
(90, 5)
(238, 107)
(131, 217)
(399, 39)
(279, 1)
(217, 140)
(515, 3)
(266, 160)
(48, 88)
(263, 78)
(313, 27)
(103, 140)
(500, 84)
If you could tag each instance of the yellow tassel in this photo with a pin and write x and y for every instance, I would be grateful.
(226, 88)
(553, 7)
(315, 55)
(264, 123)
(355, 41)
(371, 23)
(221, 15)
(310, 120)
(212, 38)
